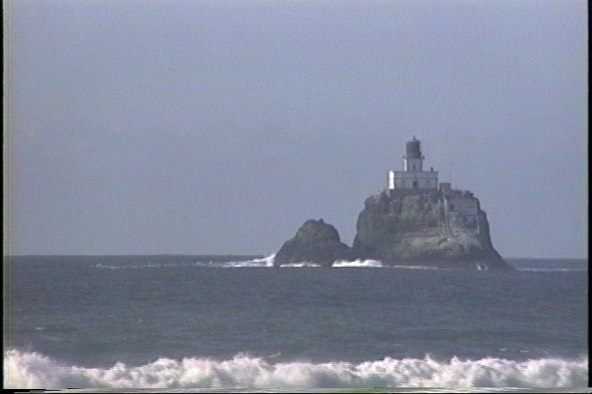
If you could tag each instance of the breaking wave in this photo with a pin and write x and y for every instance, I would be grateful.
(338, 264)
(357, 263)
(263, 262)
(27, 370)
(269, 260)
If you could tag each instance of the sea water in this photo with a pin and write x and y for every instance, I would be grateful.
(221, 323)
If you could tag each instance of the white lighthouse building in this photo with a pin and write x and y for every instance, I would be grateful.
(413, 176)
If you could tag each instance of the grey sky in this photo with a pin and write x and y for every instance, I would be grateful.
(153, 127)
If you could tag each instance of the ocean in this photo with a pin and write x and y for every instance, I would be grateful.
(207, 323)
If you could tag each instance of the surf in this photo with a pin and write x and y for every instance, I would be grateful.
(31, 370)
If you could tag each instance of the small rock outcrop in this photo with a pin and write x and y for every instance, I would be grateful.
(315, 242)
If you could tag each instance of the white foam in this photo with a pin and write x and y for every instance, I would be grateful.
(35, 371)
(262, 262)
(357, 263)
(304, 264)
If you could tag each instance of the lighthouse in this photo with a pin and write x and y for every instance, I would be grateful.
(413, 176)
(413, 160)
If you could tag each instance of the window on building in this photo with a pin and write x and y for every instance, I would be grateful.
(413, 167)
(415, 185)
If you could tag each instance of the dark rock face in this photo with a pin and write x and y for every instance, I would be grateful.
(315, 242)
(408, 227)
(404, 227)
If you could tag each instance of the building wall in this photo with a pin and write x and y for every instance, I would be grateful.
(412, 164)
(391, 180)
(445, 187)
(463, 205)
(406, 179)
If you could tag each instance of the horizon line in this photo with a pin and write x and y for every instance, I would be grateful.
(229, 255)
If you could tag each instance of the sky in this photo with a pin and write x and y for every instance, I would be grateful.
(219, 127)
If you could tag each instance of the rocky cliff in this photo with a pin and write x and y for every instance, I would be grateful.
(404, 227)
(407, 227)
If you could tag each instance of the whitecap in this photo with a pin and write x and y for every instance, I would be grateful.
(357, 263)
(29, 370)
(262, 262)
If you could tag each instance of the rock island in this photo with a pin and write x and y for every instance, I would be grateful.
(414, 221)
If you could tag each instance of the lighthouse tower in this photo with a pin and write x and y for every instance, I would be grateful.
(413, 176)
(413, 160)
